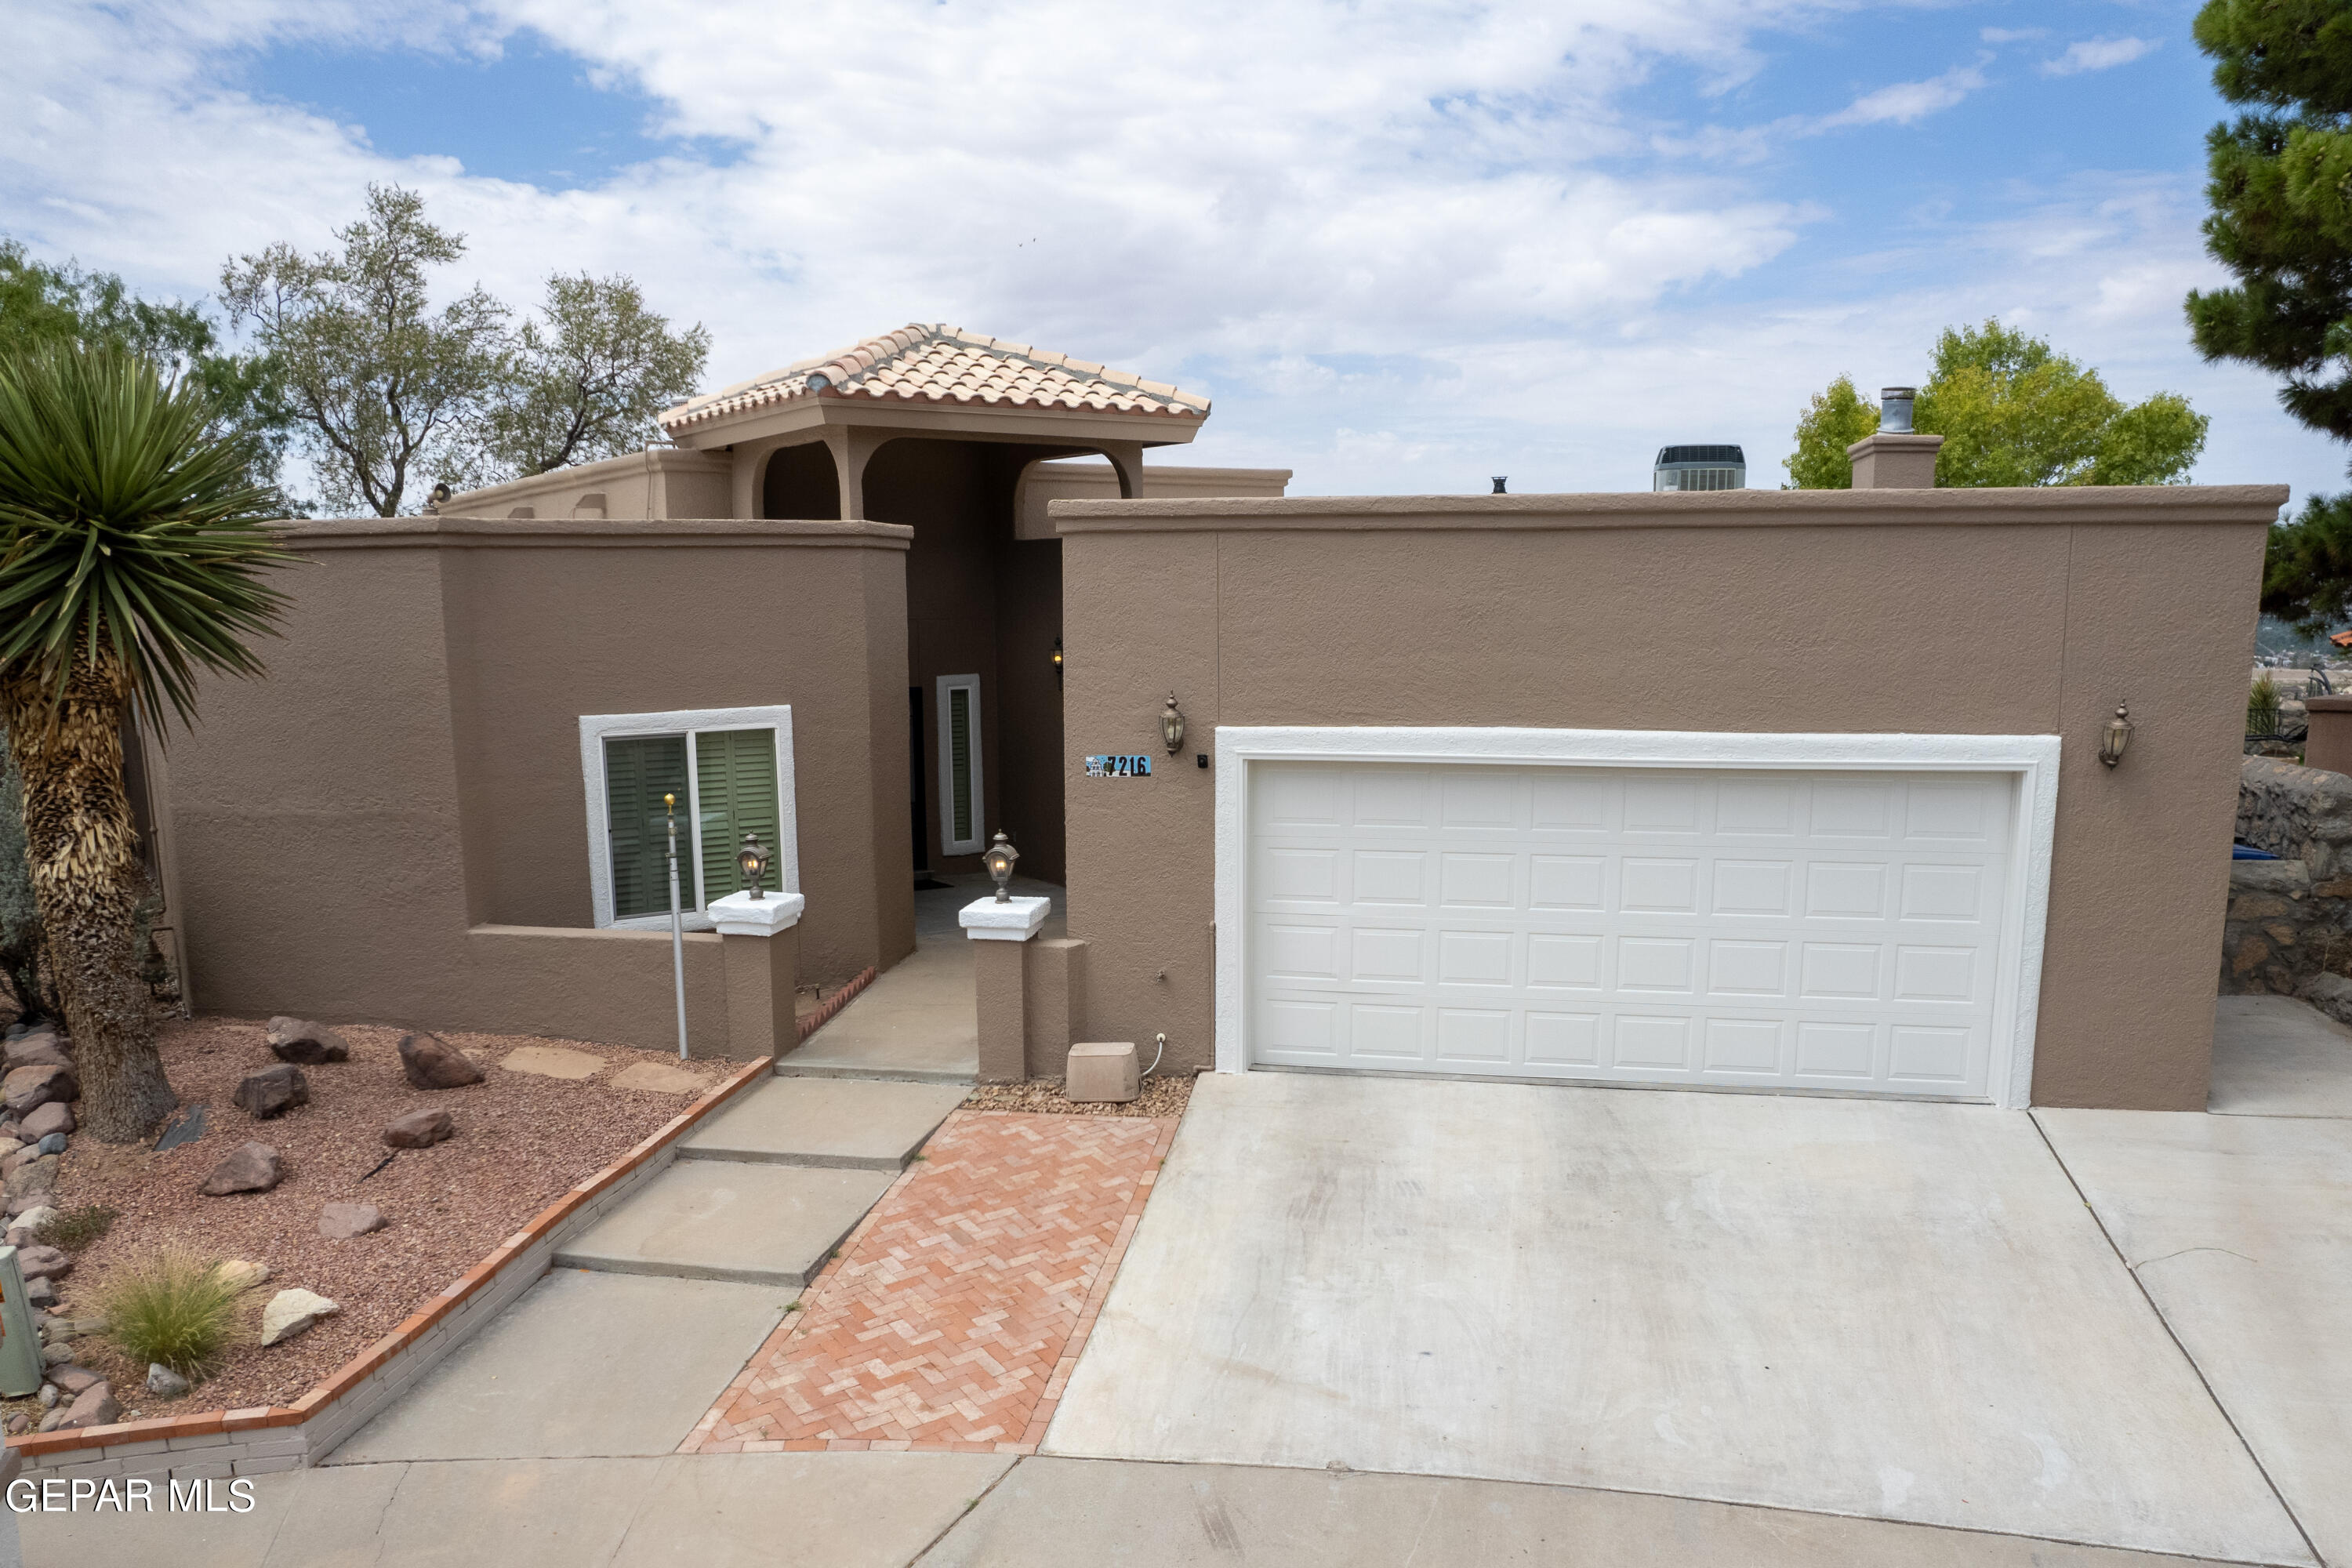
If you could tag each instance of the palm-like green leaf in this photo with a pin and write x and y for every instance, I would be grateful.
(125, 530)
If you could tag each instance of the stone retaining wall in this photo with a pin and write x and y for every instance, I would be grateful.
(2289, 928)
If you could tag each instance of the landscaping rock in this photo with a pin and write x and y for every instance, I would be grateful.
(43, 1049)
(36, 1217)
(51, 1422)
(419, 1129)
(19, 1423)
(293, 1040)
(27, 1088)
(43, 1263)
(54, 1143)
(97, 1406)
(37, 1175)
(44, 1119)
(341, 1222)
(26, 1202)
(272, 1091)
(72, 1380)
(239, 1275)
(431, 1062)
(552, 1061)
(652, 1078)
(41, 1293)
(249, 1168)
(18, 1155)
(50, 1395)
(57, 1355)
(163, 1383)
(291, 1312)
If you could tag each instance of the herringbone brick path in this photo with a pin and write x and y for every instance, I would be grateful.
(955, 1313)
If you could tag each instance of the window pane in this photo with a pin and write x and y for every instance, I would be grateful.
(638, 771)
(735, 775)
(960, 759)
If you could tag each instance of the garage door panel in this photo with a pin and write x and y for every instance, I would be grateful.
(1829, 930)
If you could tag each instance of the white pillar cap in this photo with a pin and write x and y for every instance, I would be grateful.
(1015, 919)
(738, 915)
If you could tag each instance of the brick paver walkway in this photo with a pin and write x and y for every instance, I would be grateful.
(956, 1310)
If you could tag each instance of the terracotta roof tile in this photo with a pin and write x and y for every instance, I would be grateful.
(940, 363)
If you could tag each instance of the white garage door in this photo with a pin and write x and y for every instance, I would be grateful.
(1835, 931)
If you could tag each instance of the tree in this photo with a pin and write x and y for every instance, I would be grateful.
(588, 384)
(2281, 188)
(382, 387)
(2012, 411)
(20, 915)
(1834, 420)
(131, 553)
(44, 304)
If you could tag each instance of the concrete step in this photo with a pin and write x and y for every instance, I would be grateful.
(857, 1072)
(730, 1219)
(844, 1124)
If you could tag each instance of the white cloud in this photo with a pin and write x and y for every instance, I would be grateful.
(2098, 55)
(2011, 35)
(1907, 102)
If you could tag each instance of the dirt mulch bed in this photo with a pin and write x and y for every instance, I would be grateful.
(1164, 1095)
(522, 1140)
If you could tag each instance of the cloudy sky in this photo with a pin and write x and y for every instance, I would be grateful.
(1402, 245)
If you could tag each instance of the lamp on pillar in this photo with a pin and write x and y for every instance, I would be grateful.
(1057, 661)
(999, 860)
(752, 861)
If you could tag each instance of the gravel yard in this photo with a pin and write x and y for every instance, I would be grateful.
(1163, 1095)
(521, 1139)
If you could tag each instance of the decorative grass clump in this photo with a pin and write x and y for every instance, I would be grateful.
(171, 1306)
(76, 1228)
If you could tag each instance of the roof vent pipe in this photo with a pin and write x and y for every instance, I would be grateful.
(1500, 481)
(1895, 409)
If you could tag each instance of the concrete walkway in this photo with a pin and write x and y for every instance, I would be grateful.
(958, 1510)
(649, 1314)
(918, 1021)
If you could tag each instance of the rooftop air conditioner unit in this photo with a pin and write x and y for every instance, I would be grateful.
(1700, 469)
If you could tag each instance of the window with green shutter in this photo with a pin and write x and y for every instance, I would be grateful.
(735, 784)
(638, 771)
(960, 759)
(962, 793)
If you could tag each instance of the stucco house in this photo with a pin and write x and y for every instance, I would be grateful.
(1433, 813)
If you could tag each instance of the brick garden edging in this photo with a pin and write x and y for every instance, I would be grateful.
(834, 1004)
(220, 1443)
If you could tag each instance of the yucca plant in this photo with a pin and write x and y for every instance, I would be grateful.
(132, 550)
(172, 1306)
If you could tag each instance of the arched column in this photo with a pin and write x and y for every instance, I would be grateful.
(1127, 460)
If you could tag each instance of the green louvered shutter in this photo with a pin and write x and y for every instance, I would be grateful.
(638, 771)
(959, 760)
(735, 772)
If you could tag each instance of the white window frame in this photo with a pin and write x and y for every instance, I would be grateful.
(948, 843)
(596, 729)
(2030, 760)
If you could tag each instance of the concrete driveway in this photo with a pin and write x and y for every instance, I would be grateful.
(1896, 1310)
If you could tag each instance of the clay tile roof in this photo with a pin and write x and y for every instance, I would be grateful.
(940, 363)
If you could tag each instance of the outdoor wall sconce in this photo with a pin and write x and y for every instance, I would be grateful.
(999, 860)
(1057, 661)
(2115, 737)
(1171, 725)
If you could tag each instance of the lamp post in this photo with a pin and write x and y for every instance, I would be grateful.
(677, 926)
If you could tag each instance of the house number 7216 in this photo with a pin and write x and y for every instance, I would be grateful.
(1134, 767)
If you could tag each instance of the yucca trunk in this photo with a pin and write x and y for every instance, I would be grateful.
(82, 850)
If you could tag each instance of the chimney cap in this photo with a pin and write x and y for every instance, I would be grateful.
(1895, 409)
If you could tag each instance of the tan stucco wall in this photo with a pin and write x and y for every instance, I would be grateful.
(393, 825)
(659, 482)
(1999, 612)
(1092, 480)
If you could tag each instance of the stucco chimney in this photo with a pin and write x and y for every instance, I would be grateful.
(1898, 458)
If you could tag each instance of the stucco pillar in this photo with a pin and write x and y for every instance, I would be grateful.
(1053, 983)
(762, 953)
(1002, 931)
(851, 448)
(1891, 461)
(2329, 743)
